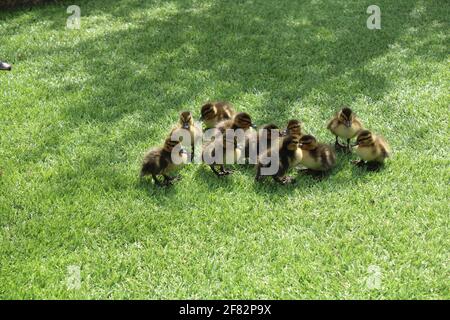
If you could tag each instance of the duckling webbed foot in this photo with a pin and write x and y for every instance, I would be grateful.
(173, 179)
(220, 173)
(338, 145)
(358, 163)
(227, 171)
(157, 182)
(284, 180)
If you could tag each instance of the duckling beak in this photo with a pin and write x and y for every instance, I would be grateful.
(253, 126)
(354, 144)
(185, 125)
(283, 132)
(348, 123)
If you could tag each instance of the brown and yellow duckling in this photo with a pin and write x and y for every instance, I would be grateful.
(317, 157)
(289, 155)
(345, 125)
(159, 162)
(372, 149)
(259, 142)
(214, 112)
(267, 134)
(186, 122)
(294, 127)
(241, 120)
(229, 149)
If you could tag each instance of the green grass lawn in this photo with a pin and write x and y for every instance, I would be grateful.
(81, 107)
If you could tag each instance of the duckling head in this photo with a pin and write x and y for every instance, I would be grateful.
(365, 138)
(242, 120)
(308, 142)
(186, 120)
(208, 112)
(346, 116)
(290, 143)
(268, 130)
(294, 127)
(169, 144)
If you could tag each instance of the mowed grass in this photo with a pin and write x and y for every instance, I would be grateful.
(81, 107)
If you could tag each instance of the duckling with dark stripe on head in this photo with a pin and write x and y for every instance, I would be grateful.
(186, 122)
(289, 155)
(259, 142)
(241, 120)
(159, 162)
(372, 149)
(317, 157)
(294, 127)
(345, 125)
(214, 112)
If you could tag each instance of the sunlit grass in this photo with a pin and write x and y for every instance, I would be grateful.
(81, 107)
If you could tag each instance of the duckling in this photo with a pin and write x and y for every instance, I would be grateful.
(316, 156)
(229, 148)
(372, 149)
(267, 135)
(241, 120)
(214, 112)
(159, 161)
(258, 143)
(294, 127)
(186, 122)
(344, 125)
(289, 155)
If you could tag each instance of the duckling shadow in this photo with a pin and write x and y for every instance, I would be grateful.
(158, 193)
(204, 174)
(365, 169)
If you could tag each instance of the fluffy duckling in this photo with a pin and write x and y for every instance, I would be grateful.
(289, 155)
(294, 127)
(372, 149)
(316, 156)
(344, 125)
(230, 150)
(241, 120)
(266, 133)
(159, 161)
(186, 122)
(214, 112)
(258, 143)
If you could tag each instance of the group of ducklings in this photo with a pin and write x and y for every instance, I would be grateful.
(293, 147)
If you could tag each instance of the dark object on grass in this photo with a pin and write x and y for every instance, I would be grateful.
(214, 112)
(316, 156)
(289, 156)
(5, 66)
(158, 162)
(344, 125)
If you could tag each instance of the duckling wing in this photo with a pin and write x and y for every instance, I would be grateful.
(384, 147)
(357, 125)
(332, 124)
